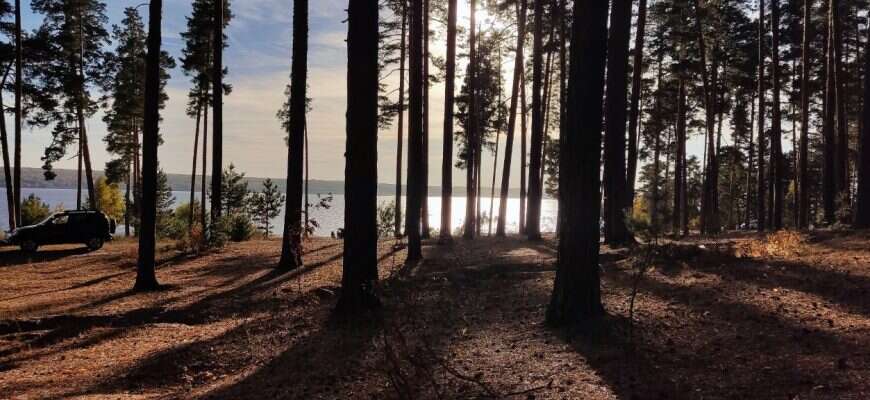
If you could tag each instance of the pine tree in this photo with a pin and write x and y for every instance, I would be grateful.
(145, 276)
(576, 293)
(512, 116)
(446, 236)
(360, 270)
(291, 243)
(533, 216)
(862, 202)
(415, 130)
(615, 229)
(266, 206)
(78, 41)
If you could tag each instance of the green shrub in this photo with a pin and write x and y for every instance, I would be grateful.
(239, 227)
(33, 210)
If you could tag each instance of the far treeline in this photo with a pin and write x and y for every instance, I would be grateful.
(33, 178)
(775, 90)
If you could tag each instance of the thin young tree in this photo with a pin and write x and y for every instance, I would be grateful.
(145, 275)
(291, 243)
(615, 228)
(360, 270)
(862, 201)
(576, 293)
(634, 110)
(471, 177)
(415, 130)
(803, 153)
(512, 117)
(762, 144)
(777, 162)
(218, 106)
(19, 88)
(403, 50)
(424, 155)
(11, 206)
(449, 99)
(536, 186)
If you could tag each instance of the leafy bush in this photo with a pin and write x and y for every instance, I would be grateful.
(387, 219)
(33, 210)
(239, 227)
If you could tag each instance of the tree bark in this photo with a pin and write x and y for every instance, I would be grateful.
(424, 156)
(145, 276)
(217, 117)
(397, 224)
(680, 162)
(576, 295)
(803, 154)
(415, 130)
(862, 203)
(191, 218)
(524, 110)
(709, 210)
(634, 113)
(760, 195)
(360, 271)
(776, 159)
(446, 235)
(472, 135)
(842, 140)
(615, 228)
(19, 82)
(291, 243)
(829, 174)
(202, 186)
(11, 206)
(533, 216)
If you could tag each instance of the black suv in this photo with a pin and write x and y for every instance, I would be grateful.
(91, 228)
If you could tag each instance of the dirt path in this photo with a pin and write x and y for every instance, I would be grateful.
(741, 317)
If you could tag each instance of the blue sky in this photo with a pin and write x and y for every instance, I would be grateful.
(258, 59)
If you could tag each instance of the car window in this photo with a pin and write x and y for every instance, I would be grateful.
(60, 220)
(77, 218)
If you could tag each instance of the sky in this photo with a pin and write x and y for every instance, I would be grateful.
(258, 59)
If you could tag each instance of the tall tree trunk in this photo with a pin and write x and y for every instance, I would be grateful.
(524, 110)
(750, 158)
(217, 118)
(709, 211)
(191, 218)
(79, 177)
(360, 271)
(291, 243)
(11, 206)
(862, 203)
(446, 235)
(472, 135)
(803, 154)
(202, 185)
(415, 130)
(512, 118)
(760, 195)
(424, 176)
(615, 229)
(397, 224)
(776, 159)
(680, 161)
(657, 144)
(576, 296)
(842, 140)
(83, 133)
(533, 216)
(19, 82)
(829, 174)
(145, 277)
(634, 113)
(127, 203)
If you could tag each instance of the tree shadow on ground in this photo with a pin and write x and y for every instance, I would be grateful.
(12, 258)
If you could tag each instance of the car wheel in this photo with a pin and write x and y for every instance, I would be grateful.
(94, 244)
(29, 246)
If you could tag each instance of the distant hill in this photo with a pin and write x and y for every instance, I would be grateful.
(68, 178)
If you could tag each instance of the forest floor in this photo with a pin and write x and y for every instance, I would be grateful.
(785, 316)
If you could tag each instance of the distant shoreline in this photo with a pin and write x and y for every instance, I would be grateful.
(32, 178)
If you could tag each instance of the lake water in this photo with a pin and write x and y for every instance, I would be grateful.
(330, 219)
